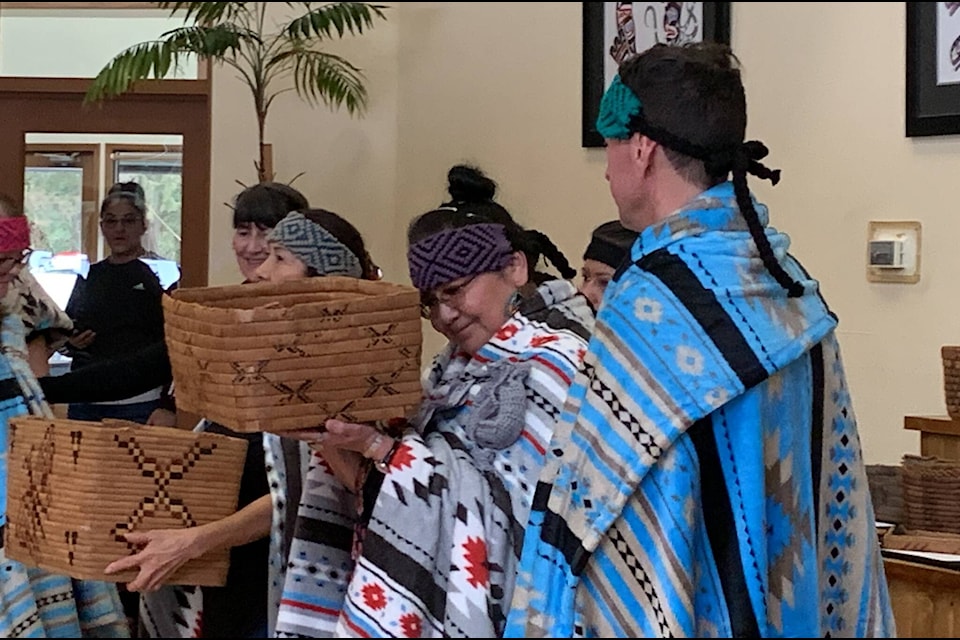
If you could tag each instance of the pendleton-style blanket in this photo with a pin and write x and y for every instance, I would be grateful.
(38, 311)
(439, 554)
(706, 478)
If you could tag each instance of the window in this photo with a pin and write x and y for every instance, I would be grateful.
(61, 196)
(159, 170)
(66, 180)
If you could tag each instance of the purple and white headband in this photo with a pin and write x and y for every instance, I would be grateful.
(457, 253)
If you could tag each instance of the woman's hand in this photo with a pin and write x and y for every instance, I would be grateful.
(83, 339)
(162, 418)
(162, 551)
(344, 464)
(360, 438)
(344, 445)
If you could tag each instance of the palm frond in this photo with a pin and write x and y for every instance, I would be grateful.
(328, 78)
(234, 34)
(335, 18)
(213, 41)
(155, 59)
(206, 13)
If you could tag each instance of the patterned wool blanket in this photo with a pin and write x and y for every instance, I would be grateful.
(446, 522)
(706, 479)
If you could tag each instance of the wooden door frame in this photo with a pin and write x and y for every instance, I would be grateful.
(163, 107)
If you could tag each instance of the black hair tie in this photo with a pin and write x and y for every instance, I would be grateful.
(738, 160)
(744, 157)
(753, 152)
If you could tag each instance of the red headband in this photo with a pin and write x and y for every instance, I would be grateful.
(14, 234)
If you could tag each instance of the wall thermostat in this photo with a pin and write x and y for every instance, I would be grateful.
(886, 254)
(893, 251)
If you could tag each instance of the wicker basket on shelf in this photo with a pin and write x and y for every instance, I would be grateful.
(931, 494)
(74, 488)
(276, 357)
(951, 379)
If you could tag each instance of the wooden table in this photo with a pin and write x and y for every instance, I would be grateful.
(939, 435)
(924, 599)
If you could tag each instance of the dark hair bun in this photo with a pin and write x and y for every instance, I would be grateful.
(469, 184)
(129, 188)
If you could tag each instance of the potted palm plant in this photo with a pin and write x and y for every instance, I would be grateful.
(270, 59)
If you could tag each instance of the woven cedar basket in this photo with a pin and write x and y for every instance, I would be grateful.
(931, 494)
(275, 357)
(951, 379)
(75, 487)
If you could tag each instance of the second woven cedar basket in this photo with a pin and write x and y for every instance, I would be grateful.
(950, 355)
(931, 494)
(276, 357)
(74, 488)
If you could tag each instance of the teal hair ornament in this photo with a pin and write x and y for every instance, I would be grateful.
(618, 106)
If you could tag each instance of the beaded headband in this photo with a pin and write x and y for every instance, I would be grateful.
(456, 253)
(316, 247)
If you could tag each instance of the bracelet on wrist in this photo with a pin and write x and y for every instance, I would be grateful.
(383, 465)
(373, 447)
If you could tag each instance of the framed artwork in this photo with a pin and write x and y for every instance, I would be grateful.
(933, 68)
(613, 31)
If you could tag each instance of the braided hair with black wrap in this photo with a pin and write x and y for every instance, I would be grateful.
(695, 107)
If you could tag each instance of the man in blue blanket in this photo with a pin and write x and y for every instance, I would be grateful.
(707, 477)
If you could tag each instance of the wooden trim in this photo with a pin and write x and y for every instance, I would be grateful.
(90, 220)
(70, 147)
(204, 69)
(184, 89)
(940, 577)
(943, 425)
(60, 6)
(115, 147)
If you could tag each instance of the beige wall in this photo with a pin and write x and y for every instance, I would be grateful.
(349, 164)
(499, 85)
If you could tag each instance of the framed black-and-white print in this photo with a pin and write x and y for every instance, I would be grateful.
(612, 31)
(933, 68)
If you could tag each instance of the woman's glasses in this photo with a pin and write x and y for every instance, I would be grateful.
(450, 295)
(110, 222)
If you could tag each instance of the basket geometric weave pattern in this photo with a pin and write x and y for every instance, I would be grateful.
(74, 489)
(931, 494)
(951, 379)
(274, 357)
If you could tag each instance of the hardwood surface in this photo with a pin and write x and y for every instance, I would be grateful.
(939, 435)
(924, 599)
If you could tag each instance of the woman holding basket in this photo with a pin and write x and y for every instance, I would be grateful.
(414, 530)
(303, 244)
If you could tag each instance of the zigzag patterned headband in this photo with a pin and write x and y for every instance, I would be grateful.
(457, 253)
(317, 247)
